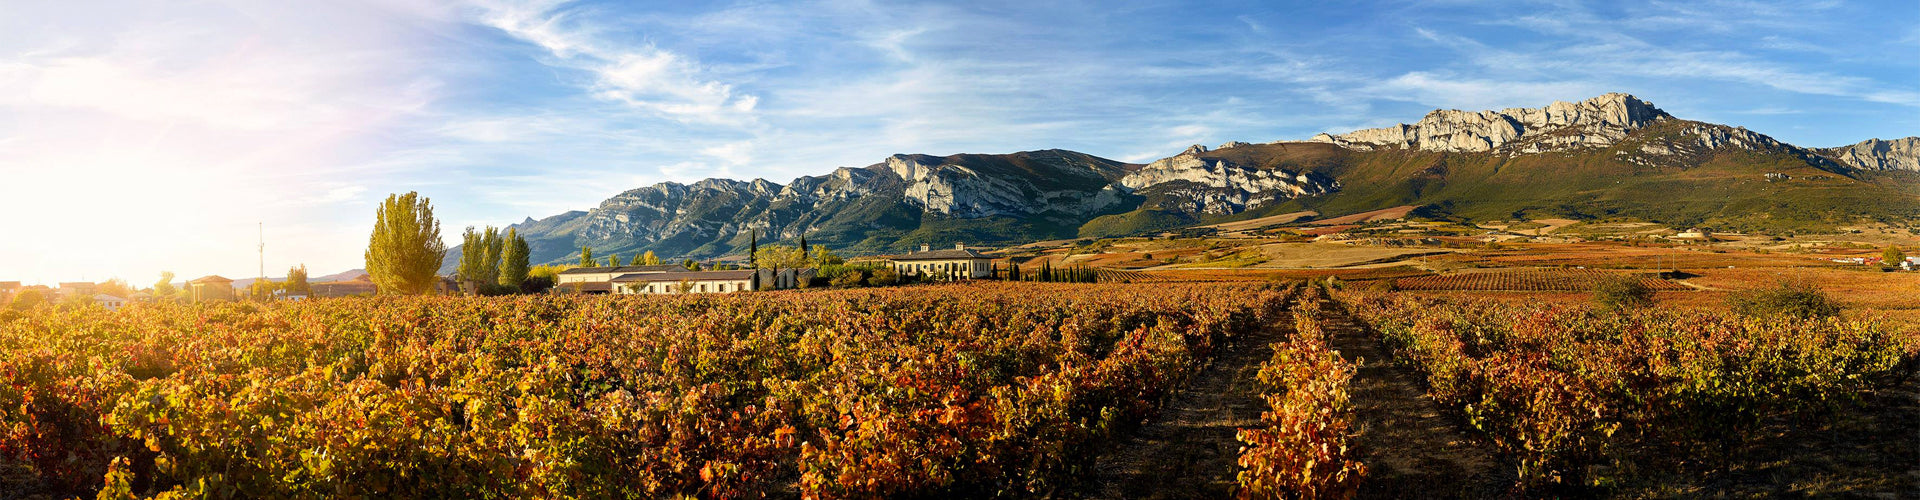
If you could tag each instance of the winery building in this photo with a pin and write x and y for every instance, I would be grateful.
(960, 262)
(743, 280)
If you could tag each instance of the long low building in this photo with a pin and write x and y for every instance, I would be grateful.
(958, 263)
(743, 280)
(606, 274)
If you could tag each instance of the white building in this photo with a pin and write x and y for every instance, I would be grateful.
(958, 263)
(743, 280)
(110, 302)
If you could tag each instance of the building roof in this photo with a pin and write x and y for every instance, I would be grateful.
(77, 284)
(663, 268)
(942, 255)
(104, 297)
(211, 279)
(9, 284)
(686, 275)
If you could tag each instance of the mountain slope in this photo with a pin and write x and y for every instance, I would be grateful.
(1610, 156)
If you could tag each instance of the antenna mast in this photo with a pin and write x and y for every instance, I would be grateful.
(263, 251)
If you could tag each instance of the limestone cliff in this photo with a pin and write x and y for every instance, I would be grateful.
(1876, 154)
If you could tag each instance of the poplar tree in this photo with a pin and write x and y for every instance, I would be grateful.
(514, 256)
(405, 250)
(297, 281)
(586, 257)
(648, 259)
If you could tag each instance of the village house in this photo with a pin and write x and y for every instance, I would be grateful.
(110, 302)
(360, 284)
(743, 280)
(210, 288)
(958, 263)
(8, 289)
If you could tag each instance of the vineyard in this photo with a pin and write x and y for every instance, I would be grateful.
(955, 390)
(1576, 397)
(1123, 276)
(950, 390)
(1532, 280)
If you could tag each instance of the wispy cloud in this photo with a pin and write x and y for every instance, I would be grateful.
(642, 75)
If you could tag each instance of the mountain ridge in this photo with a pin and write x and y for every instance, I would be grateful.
(1465, 163)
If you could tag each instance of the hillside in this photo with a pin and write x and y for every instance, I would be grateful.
(1610, 156)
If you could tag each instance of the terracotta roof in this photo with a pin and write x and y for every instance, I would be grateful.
(211, 279)
(687, 275)
(663, 268)
(942, 255)
(9, 284)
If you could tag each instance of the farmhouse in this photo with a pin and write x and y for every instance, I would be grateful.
(960, 262)
(8, 289)
(210, 288)
(360, 285)
(744, 280)
(110, 302)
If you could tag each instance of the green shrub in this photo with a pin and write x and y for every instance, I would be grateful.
(1622, 292)
(884, 277)
(848, 279)
(1793, 298)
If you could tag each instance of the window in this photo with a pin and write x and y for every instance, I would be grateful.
(703, 288)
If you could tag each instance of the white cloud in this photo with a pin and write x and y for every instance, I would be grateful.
(643, 76)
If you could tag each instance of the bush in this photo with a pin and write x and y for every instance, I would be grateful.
(849, 279)
(1622, 292)
(884, 277)
(1792, 298)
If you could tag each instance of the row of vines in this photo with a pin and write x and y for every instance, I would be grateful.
(1575, 397)
(956, 390)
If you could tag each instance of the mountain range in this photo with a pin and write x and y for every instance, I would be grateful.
(1612, 156)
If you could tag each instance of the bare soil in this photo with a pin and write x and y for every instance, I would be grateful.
(1190, 449)
(1411, 448)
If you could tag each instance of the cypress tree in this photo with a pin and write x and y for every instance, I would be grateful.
(804, 249)
(753, 248)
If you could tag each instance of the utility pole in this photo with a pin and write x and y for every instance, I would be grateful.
(263, 251)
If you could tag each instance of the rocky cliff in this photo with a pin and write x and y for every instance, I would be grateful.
(1208, 184)
(1876, 154)
(1599, 121)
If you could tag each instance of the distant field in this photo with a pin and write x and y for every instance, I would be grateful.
(1526, 280)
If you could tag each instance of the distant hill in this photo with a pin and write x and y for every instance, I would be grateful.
(1610, 156)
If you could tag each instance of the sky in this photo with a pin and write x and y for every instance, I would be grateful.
(145, 136)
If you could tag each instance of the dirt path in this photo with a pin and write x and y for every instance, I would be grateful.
(1190, 450)
(1411, 449)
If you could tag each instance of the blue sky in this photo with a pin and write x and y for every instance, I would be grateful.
(155, 135)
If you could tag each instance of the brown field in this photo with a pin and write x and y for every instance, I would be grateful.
(1527, 280)
(1399, 212)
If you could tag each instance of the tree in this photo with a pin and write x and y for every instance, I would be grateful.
(823, 257)
(489, 271)
(297, 281)
(648, 259)
(514, 255)
(1892, 256)
(473, 257)
(28, 299)
(781, 257)
(405, 250)
(164, 288)
(115, 287)
(753, 247)
(613, 261)
(803, 244)
(691, 265)
(586, 257)
(261, 290)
